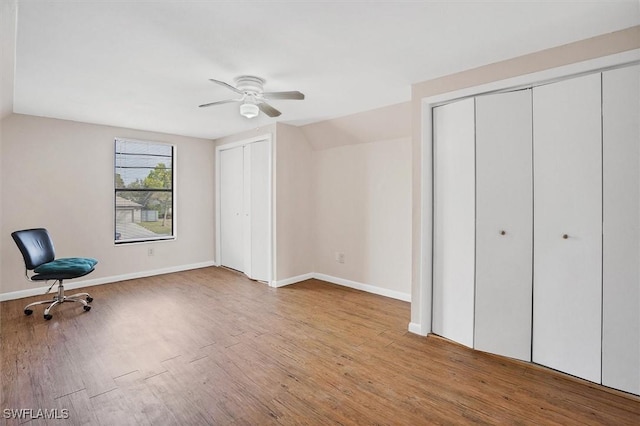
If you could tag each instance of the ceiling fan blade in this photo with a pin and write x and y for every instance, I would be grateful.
(284, 95)
(269, 110)
(227, 85)
(226, 101)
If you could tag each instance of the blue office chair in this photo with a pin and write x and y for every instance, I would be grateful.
(39, 256)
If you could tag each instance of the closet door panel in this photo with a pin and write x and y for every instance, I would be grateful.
(568, 226)
(258, 213)
(621, 242)
(454, 217)
(231, 208)
(504, 224)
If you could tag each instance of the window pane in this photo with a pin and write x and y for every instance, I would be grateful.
(158, 177)
(141, 147)
(144, 190)
(143, 165)
(143, 215)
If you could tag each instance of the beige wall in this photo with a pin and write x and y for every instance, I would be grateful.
(363, 209)
(294, 203)
(59, 175)
(596, 47)
(380, 124)
(8, 14)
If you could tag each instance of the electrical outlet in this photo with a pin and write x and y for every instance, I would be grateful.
(150, 251)
(339, 257)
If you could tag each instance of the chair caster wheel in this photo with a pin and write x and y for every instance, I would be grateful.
(89, 299)
(48, 316)
(87, 308)
(28, 311)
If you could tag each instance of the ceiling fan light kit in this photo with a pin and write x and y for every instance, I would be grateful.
(253, 98)
(249, 110)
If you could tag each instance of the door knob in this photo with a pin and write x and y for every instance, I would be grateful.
(565, 236)
(503, 232)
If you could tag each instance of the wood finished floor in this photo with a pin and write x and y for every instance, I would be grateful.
(209, 346)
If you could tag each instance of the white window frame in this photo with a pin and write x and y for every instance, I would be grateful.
(174, 197)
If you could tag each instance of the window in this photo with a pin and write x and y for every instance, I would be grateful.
(144, 198)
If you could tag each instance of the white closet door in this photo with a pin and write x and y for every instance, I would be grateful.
(258, 209)
(231, 209)
(504, 224)
(621, 249)
(454, 217)
(567, 304)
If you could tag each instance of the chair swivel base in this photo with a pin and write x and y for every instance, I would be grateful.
(83, 298)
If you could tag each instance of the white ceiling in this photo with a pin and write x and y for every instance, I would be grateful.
(146, 64)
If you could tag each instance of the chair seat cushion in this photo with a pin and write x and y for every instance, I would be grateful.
(69, 266)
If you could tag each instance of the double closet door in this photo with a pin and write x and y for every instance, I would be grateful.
(586, 299)
(244, 210)
(483, 223)
(537, 225)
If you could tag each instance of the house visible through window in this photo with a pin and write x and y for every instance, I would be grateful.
(144, 197)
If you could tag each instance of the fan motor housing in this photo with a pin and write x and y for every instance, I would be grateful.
(250, 84)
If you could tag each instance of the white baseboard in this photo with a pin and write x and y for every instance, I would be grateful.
(344, 282)
(416, 328)
(280, 283)
(39, 291)
(406, 297)
(292, 280)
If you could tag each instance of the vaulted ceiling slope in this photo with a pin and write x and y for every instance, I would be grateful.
(146, 64)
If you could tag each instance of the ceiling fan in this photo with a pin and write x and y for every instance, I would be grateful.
(253, 98)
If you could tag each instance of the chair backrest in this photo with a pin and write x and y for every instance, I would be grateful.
(35, 245)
